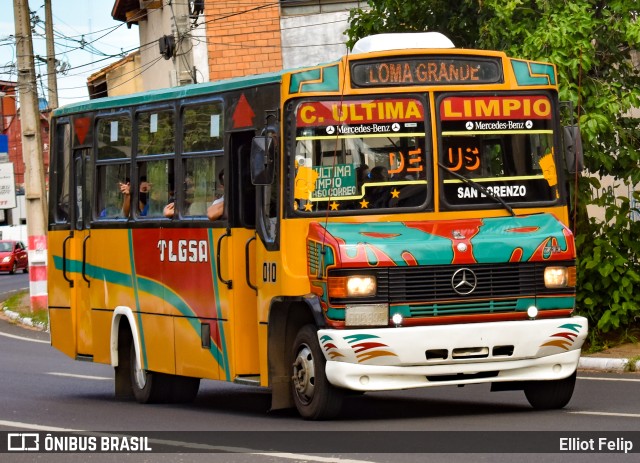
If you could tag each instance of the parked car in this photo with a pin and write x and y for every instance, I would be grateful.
(13, 256)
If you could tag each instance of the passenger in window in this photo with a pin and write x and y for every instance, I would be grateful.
(170, 209)
(378, 196)
(216, 210)
(362, 174)
(189, 190)
(143, 196)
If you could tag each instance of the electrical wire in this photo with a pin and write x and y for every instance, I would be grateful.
(88, 46)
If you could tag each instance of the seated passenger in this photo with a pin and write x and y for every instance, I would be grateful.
(143, 197)
(216, 209)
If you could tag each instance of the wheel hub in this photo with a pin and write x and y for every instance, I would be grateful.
(140, 376)
(304, 375)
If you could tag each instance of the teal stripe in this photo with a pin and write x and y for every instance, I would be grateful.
(359, 337)
(299, 78)
(306, 81)
(152, 287)
(572, 326)
(224, 360)
(523, 71)
(134, 285)
(329, 82)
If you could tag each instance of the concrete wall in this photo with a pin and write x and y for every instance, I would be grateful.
(158, 72)
(313, 39)
(124, 79)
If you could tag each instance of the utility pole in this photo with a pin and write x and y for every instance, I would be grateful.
(35, 193)
(52, 81)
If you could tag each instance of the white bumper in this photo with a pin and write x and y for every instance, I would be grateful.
(410, 357)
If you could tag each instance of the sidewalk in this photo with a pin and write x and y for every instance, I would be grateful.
(625, 357)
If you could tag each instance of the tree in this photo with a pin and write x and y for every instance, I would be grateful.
(592, 43)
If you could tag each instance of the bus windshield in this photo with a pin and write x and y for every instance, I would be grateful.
(360, 155)
(505, 144)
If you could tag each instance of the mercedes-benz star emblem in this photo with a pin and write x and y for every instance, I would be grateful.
(464, 281)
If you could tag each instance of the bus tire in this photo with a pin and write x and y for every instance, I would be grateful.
(184, 389)
(148, 386)
(548, 395)
(314, 397)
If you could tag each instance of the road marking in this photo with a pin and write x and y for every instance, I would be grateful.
(624, 415)
(191, 445)
(35, 427)
(70, 375)
(13, 336)
(609, 379)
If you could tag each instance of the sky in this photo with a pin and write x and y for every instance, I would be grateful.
(74, 21)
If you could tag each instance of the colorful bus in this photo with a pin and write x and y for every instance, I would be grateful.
(395, 219)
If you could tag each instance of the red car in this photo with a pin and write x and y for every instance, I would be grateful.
(13, 256)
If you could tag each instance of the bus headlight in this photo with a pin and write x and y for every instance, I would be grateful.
(559, 277)
(352, 286)
(359, 286)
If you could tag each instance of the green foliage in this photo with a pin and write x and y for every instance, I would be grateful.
(460, 22)
(631, 364)
(591, 42)
(608, 266)
(20, 303)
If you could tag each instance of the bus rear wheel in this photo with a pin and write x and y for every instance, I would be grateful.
(314, 397)
(548, 395)
(153, 387)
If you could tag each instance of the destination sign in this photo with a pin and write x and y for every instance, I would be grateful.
(458, 193)
(324, 113)
(425, 70)
(495, 107)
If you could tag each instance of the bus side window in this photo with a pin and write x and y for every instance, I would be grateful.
(154, 152)
(113, 164)
(202, 129)
(201, 185)
(62, 167)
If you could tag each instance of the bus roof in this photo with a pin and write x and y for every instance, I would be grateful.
(164, 94)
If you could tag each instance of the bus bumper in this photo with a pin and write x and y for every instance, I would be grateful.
(411, 357)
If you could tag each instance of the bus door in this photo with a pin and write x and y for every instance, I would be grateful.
(80, 296)
(68, 283)
(240, 249)
(266, 261)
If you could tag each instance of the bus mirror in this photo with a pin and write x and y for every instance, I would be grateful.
(573, 149)
(262, 155)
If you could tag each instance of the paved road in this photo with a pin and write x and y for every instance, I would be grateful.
(45, 391)
(10, 284)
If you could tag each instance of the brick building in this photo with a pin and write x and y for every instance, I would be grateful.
(242, 38)
(253, 36)
(10, 126)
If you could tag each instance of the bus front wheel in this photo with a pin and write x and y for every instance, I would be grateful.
(548, 395)
(314, 397)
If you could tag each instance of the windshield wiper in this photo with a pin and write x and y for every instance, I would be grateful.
(480, 188)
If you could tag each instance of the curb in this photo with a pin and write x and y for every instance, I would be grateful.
(27, 321)
(607, 364)
(585, 363)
